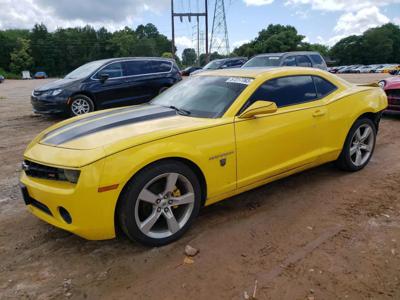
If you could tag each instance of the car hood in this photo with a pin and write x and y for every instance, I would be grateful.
(58, 84)
(80, 141)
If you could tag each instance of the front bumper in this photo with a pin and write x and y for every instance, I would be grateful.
(393, 100)
(91, 212)
(49, 105)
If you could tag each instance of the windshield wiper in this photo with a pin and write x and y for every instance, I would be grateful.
(180, 110)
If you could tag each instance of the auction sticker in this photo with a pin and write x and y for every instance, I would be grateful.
(240, 80)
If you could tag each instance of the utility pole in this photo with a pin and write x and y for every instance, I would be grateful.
(219, 33)
(189, 15)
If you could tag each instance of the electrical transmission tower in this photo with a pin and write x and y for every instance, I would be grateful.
(219, 34)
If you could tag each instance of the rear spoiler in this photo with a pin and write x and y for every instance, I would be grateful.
(372, 84)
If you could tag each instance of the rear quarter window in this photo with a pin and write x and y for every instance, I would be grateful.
(323, 87)
(161, 66)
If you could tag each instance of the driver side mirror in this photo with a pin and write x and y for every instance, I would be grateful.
(259, 108)
(104, 77)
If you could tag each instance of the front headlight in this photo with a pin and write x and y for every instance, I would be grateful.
(382, 83)
(72, 175)
(56, 92)
(53, 92)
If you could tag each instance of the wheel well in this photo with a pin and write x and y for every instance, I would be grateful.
(87, 95)
(374, 117)
(189, 163)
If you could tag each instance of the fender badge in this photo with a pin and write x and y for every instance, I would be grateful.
(222, 162)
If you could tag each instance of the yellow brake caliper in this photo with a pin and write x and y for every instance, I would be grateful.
(176, 193)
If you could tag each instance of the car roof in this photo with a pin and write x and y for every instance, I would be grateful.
(258, 72)
(108, 60)
(286, 53)
(228, 58)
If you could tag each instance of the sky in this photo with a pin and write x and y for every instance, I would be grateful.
(320, 21)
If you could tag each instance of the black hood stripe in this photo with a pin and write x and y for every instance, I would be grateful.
(86, 119)
(112, 121)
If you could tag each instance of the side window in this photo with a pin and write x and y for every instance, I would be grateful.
(236, 62)
(160, 66)
(303, 61)
(289, 61)
(317, 59)
(113, 70)
(138, 67)
(324, 87)
(286, 91)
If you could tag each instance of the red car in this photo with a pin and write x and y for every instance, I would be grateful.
(391, 86)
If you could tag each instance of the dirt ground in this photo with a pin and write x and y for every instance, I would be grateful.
(321, 234)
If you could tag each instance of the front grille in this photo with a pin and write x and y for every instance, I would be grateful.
(41, 171)
(393, 97)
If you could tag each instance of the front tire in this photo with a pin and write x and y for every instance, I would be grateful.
(160, 203)
(358, 147)
(80, 105)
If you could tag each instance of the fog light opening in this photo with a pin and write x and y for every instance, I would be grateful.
(65, 215)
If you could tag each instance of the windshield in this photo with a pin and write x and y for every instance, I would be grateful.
(203, 96)
(213, 65)
(263, 61)
(85, 70)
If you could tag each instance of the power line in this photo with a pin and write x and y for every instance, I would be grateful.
(189, 14)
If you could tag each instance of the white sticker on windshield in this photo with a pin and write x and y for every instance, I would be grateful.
(241, 80)
(274, 57)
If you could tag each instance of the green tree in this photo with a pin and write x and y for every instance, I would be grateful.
(348, 50)
(167, 55)
(275, 38)
(189, 57)
(20, 57)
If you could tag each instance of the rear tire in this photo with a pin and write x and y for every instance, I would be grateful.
(160, 203)
(358, 147)
(80, 105)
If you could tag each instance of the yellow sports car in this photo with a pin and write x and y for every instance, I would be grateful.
(147, 170)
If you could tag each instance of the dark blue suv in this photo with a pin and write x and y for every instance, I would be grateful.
(106, 83)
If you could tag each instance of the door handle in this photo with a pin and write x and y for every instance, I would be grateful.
(319, 113)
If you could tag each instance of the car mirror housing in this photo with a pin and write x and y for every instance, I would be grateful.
(259, 108)
(104, 77)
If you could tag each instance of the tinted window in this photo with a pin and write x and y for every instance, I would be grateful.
(236, 62)
(323, 86)
(160, 66)
(286, 91)
(113, 70)
(317, 59)
(289, 61)
(138, 67)
(303, 61)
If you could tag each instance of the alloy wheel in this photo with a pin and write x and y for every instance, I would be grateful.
(164, 205)
(80, 107)
(362, 144)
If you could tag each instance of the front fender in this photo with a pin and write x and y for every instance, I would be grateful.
(204, 148)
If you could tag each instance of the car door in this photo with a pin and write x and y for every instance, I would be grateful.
(282, 141)
(112, 91)
(146, 78)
